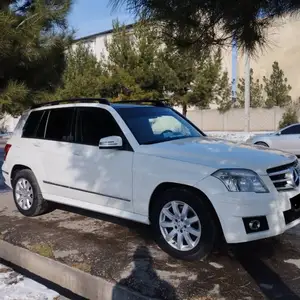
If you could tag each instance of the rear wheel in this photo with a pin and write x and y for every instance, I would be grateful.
(27, 194)
(183, 224)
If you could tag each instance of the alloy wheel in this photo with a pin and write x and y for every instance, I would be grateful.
(180, 225)
(24, 194)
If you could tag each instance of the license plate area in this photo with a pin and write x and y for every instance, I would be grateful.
(295, 203)
(294, 213)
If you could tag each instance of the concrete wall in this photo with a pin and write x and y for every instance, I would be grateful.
(211, 120)
(260, 119)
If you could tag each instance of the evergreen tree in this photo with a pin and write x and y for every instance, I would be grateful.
(256, 92)
(193, 81)
(289, 116)
(133, 63)
(33, 36)
(224, 93)
(277, 88)
(181, 72)
(83, 76)
(200, 24)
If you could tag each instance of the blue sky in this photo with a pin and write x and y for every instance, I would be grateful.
(92, 16)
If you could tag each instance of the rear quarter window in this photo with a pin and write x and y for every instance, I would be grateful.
(32, 123)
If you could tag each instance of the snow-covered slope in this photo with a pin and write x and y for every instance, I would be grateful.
(233, 136)
(14, 286)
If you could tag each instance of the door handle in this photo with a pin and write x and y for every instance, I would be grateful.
(77, 153)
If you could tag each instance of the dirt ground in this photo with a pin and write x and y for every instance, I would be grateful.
(124, 252)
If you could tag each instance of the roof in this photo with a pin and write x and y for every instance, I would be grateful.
(124, 103)
(128, 105)
(92, 36)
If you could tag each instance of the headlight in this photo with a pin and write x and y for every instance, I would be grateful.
(239, 180)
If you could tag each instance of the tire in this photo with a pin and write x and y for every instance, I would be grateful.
(38, 205)
(209, 226)
(262, 144)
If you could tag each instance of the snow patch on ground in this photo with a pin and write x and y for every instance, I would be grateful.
(216, 265)
(14, 286)
(295, 262)
(238, 136)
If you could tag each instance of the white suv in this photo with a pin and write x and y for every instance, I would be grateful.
(149, 164)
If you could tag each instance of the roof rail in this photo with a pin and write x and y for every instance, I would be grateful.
(76, 100)
(161, 103)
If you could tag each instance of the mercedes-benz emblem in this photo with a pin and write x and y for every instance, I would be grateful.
(293, 178)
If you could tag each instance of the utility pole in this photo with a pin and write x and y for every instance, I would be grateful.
(247, 91)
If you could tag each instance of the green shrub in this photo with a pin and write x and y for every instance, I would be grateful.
(289, 117)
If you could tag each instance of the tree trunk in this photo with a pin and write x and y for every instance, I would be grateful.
(184, 109)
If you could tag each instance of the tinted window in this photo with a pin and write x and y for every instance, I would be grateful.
(94, 124)
(152, 125)
(292, 130)
(32, 123)
(59, 126)
(41, 128)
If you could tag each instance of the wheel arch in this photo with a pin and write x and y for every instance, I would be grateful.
(261, 142)
(172, 185)
(16, 168)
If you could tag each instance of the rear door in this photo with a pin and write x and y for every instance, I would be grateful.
(288, 140)
(56, 149)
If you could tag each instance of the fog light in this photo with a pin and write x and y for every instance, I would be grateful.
(254, 225)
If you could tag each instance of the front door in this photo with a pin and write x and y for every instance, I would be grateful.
(101, 176)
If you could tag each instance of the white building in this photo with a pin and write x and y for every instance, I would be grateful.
(96, 42)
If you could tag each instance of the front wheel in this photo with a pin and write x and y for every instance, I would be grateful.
(184, 225)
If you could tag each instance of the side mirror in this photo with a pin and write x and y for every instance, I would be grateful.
(278, 133)
(111, 142)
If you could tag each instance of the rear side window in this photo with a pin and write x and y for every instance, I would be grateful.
(32, 123)
(292, 130)
(59, 125)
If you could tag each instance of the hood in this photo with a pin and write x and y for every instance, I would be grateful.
(217, 153)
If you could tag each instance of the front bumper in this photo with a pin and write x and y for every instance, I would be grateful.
(233, 208)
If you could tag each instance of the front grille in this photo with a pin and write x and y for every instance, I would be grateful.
(284, 177)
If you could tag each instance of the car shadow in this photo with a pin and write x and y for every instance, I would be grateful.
(144, 279)
(142, 230)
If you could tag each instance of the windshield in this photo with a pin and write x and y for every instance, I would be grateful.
(152, 125)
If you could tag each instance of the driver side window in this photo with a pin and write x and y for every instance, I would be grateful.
(291, 130)
(93, 124)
